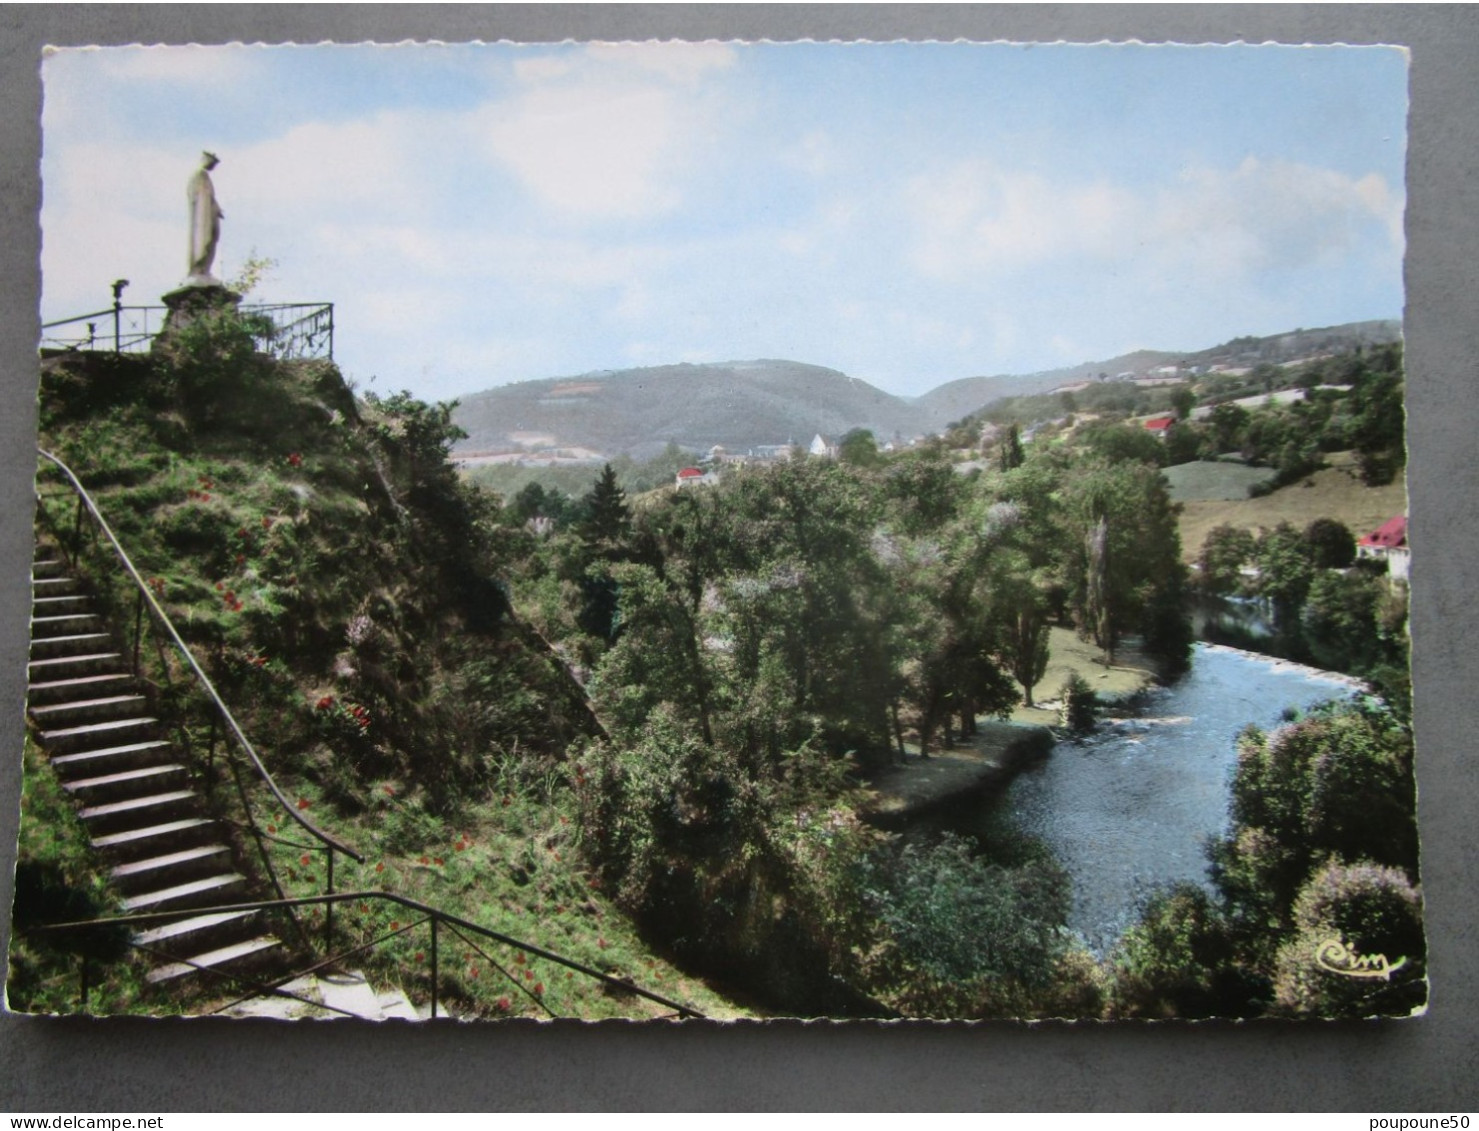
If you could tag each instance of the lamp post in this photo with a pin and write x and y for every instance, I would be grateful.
(118, 285)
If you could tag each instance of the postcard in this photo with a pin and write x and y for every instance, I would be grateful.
(721, 530)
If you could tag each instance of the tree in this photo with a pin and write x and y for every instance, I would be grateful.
(859, 448)
(1331, 543)
(1126, 442)
(1011, 449)
(1338, 783)
(1284, 571)
(607, 520)
(1379, 420)
(1225, 551)
(1340, 619)
(1347, 913)
(1228, 422)
(1126, 572)
(1023, 643)
(1183, 400)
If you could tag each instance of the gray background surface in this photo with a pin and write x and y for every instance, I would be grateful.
(1425, 1064)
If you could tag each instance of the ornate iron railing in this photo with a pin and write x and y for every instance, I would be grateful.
(291, 331)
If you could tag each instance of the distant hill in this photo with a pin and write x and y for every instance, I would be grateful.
(957, 399)
(745, 404)
(739, 404)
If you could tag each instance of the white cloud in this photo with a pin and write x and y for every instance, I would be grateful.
(981, 218)
(595, 151)
(611, 140)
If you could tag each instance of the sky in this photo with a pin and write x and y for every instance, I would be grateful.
(908, 214)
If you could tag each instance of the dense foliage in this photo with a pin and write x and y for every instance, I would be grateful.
(1320, 864)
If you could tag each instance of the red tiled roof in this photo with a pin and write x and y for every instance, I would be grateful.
(690, 473)
(1160, 423)
(1388, 535)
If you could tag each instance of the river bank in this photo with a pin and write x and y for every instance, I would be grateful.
(991, 758)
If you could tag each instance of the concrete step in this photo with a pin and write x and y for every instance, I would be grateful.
(128, 783)
(76, 711)
(140, 812)
(51, 691)
(89, 736)
(188, 863)
(48, 566)
(54, 586)
(213, 959)
(151, 839)
(78, 644)
(111, 759)
(206, 889)
(71, 667)
(72, 603)
(194, 932)
(64, 624)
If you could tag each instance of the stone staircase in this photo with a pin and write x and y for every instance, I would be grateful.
(165, 850)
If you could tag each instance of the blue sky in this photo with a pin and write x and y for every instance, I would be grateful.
(907, 213)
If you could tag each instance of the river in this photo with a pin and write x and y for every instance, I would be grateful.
(1131, 808)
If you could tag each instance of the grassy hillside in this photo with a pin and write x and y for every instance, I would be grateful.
(1333, 492)
(342, 586)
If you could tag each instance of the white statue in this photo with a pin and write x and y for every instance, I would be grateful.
(205, 223)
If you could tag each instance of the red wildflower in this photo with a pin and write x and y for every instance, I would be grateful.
(380, 867)
(538, 989)
(421, 956)
(219, 587)
(459, 847)
(305, 860)
(241, 532)
(519, 958)
(325, 703)
(472, 971)
(528, 975)
(205, 497)
(295, 460)
(395, 924)
(364, 907)
(389, 791)
(266, 522)
(272, 828)
(437, 860)
(259, 661)
(425, 860)
(304, 803)
(507, 800)
(240, 559)
(504, 1004)
(601, 943)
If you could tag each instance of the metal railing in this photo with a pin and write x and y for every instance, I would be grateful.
(289, 331)
(220, 721)
(434, 919)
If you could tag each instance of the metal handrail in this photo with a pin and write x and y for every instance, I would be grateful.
(308, 334)
(234, 728)
(434, 916)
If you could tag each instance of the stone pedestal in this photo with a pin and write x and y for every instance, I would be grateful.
(192, 301)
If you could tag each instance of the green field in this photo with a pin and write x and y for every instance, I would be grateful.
(1213, 480)
(1333, 492)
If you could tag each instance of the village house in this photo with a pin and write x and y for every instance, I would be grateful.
(1388, 543)
(695, 477)
(1160, 426)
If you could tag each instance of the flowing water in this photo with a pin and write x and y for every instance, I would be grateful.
(1130, 809)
